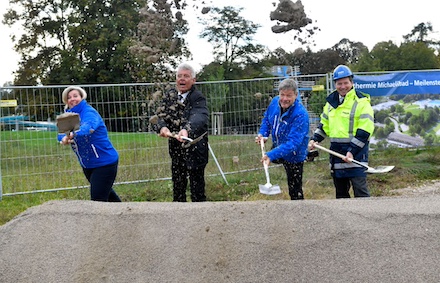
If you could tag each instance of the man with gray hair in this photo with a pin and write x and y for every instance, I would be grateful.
(287, 122)
(189, 118)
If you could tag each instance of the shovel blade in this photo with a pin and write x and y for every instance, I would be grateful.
(269, 189)
(67, 122)
(380, 169)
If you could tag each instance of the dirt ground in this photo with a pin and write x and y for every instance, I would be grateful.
(386, 239)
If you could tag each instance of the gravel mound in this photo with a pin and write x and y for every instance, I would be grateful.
(352, 240)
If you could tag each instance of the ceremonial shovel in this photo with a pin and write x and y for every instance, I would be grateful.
(68, 122)
(268, 188)
(379, 169)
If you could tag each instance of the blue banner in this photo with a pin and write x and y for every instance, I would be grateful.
(399, 83)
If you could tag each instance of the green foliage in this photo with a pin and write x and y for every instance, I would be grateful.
(232, 38)
(317, 101)
(381, 115)
(73, 41)
(350, 51)
(159, 44)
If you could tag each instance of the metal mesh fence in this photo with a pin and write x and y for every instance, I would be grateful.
(32, 160)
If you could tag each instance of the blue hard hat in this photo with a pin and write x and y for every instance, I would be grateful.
(341, 71)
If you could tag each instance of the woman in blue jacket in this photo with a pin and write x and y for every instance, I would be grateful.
(91, 144)
(287, 121)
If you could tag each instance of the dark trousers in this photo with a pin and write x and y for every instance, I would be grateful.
(101, 181)
(180, 174)
(294, 173)
(359, 184)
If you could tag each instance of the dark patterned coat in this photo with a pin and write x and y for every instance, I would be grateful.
(191, 115)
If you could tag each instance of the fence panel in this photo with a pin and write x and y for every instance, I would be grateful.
(33, 161)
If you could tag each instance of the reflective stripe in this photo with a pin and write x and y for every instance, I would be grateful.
(338, 166)
(320, 132)
(357, 142)
(366, 116)
(352, 113)
(341, 140)
(274, 128)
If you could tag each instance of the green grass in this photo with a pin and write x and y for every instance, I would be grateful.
(412, 167)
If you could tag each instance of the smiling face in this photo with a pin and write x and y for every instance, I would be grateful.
(184, 80)
(73, 98)
(287, 97)
(343, 86)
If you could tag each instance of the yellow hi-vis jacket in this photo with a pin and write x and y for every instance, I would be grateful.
(349, 126)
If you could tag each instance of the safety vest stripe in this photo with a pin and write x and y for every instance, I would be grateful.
(352, 114)
(366, 116)
(341, 140)
(320, 132)
(345, 165)
(358, 142)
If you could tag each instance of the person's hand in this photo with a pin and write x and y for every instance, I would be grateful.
(348, 157)
(182, 133)
(265, 159)
(165, 132)
(260, 138)
(67, 139)
(312, 144)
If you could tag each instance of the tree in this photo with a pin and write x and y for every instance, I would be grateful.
(321, 62)
(73, 41)
(416, 56)
(232, 37)
(350, 51)
(419, 33)
(159, 43)
(385, 56)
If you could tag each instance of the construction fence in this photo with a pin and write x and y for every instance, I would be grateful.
(32, 160)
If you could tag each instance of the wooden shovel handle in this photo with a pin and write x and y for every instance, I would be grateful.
(339, 155)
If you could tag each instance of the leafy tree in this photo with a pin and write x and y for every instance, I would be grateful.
(317, 101)
(416, 56)
(381, 115)
(350, 51)
(385, 55)
(420, 33)
(159, 44)
(73, 41)
(232, 37)
(309, 62)
(379, 133)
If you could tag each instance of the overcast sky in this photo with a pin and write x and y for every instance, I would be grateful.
(370, 22)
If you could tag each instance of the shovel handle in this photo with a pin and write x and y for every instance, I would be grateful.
(171, 135)
(266, 167)
(340, 155)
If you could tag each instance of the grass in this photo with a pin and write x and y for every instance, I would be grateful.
(413, 167)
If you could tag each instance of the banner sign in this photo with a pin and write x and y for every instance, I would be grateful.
(399, 83)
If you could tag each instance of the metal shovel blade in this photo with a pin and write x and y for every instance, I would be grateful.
(380, 169)
(268, 189)
(68, 122)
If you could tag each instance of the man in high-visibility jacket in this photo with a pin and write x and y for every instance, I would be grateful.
(348, 120)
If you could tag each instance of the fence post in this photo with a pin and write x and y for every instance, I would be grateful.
(217, 123)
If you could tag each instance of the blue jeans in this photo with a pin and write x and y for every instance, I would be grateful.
(101, 181)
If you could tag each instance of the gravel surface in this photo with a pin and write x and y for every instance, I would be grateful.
(386, 239)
